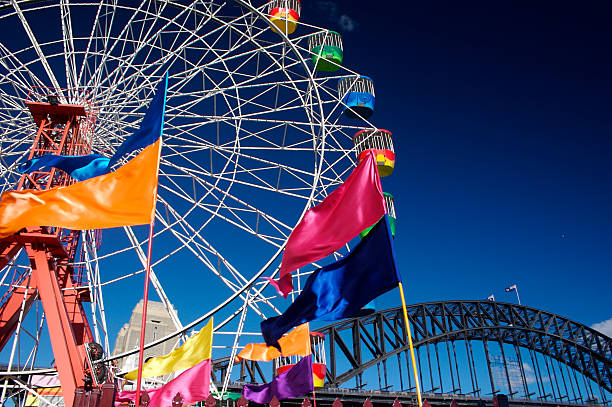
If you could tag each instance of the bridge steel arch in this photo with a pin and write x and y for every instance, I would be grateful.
(354, 345)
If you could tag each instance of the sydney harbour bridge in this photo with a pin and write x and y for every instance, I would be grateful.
(467, 351)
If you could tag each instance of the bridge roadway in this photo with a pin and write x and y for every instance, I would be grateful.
(355, 398)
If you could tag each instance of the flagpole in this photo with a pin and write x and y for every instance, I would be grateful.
(314, 397)
(145, 296)
(414, 369)
(145, 299)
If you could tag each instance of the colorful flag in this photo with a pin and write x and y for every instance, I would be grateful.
(511, 288)
(124, 197)
(341, 289)
(50, 394)
(297, 342)
(352, 207)
(82, 167)
(193, 384)
(491, 297)
(195, 349)
(79, 167)
(295, 382)
(39, 380)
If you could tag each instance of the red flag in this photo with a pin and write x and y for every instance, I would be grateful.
(353, 206)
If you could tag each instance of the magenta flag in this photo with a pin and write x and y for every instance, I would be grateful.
(352, 207)
(193, 384)
(293, 383)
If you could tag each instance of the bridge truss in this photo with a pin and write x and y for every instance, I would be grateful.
(473, 349)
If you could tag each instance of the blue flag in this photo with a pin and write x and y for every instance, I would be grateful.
(149, 130)
(79, 167)
(341, 289)
(82, 167)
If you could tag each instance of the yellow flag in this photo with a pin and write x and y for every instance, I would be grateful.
(193, 351)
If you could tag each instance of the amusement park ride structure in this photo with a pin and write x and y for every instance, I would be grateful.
(259, 128)
(61, 129)
(248, 109)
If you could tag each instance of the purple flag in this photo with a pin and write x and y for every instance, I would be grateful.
(295, 382)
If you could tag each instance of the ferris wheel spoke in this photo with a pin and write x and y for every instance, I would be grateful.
(147, 42)
(99, 16)
(269, 165)
(260, 216)
(69, 53)
(37, 48)
(224, 58)
(17, 74)
(154, 280)
(92, 267)
(188, 241)
(31, 358)
(107, 52)
(266, 186)
(228, 372)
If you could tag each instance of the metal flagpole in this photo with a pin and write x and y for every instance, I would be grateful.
(314, 396)
(143, 324)
(514, 288)
(414, 368)
(145, 296)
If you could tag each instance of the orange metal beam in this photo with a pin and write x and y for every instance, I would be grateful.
(69, 357)
(8, 250)
(51, 251)
(10, 309)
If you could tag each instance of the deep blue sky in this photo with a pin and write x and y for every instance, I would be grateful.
(501, 122)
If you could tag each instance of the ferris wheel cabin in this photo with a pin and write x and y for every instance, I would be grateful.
(319, 363)
(357, 94)
(380, 142)
(391, 215)
(327, 52)
(284, 14)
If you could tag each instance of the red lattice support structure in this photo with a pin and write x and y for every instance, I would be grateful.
(61, 129)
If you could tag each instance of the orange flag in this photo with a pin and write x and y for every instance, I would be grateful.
(297, 342)
(124, 197)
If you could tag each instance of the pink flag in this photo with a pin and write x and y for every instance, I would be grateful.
(352, 207)
(193, 384)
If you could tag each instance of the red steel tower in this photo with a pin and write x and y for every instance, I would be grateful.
(62, 128)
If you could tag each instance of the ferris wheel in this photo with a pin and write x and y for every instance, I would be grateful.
(260, 124)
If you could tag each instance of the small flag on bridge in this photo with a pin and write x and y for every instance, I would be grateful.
(491, 297)
(511, 288)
